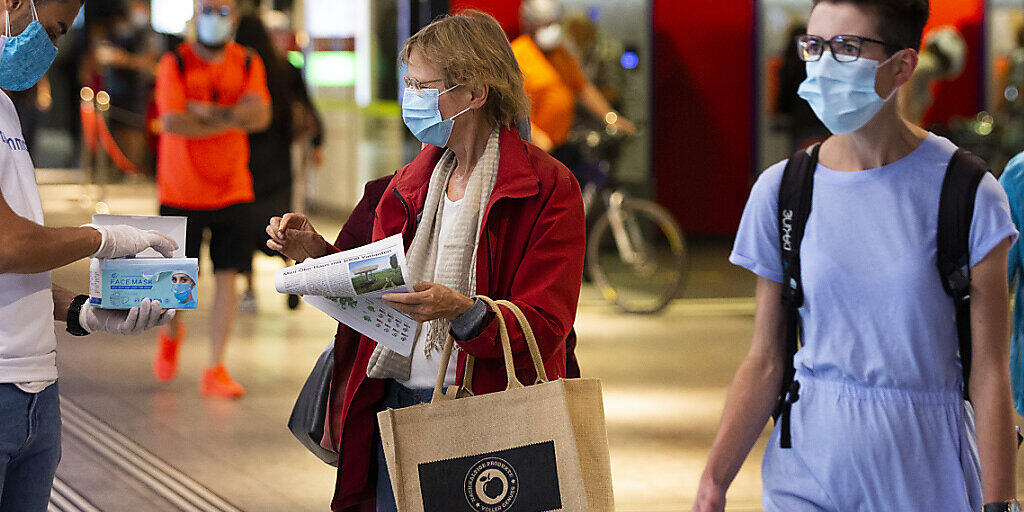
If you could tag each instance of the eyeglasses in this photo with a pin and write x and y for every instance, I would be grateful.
(845, 48)
(418, 86)
(223, 11)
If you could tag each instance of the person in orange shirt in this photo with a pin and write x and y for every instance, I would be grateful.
(210, 95)
(554, 81)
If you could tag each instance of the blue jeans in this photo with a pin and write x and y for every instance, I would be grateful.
(29, 447)
(396, 396)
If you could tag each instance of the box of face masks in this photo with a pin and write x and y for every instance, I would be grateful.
(123, 283)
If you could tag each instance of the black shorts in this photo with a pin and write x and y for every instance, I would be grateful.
(229, 227)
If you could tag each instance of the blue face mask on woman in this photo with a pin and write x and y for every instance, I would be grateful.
(26, 56)
(422, 116)
(842, 94)
(182, 291)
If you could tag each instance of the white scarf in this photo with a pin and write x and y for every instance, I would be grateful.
(457, 254)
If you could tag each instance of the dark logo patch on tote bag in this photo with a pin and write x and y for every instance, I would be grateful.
(523, 479)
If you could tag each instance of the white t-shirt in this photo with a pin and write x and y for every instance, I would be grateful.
(424, 370)
(28, 345)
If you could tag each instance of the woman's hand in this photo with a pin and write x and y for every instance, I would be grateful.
(710, 498)
(429, 301)
(294, 236)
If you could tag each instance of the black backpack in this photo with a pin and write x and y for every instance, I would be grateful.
(956, 209)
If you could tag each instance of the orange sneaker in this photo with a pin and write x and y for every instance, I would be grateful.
(165, 363)
(217, 382)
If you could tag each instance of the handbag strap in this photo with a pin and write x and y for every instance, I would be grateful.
(506, 347)
(531, 340)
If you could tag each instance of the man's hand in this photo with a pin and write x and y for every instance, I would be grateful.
(109, 55)
(294, 236)
(121, 241)
(146, 315)
(710, 498)
(251, 114)
(209, 113)
(429, 301)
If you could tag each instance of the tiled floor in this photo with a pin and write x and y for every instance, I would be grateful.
(664, 380)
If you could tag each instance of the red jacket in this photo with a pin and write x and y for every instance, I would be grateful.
(531, 253)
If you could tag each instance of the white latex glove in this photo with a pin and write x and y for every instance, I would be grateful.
(146, 315)
(121, 241)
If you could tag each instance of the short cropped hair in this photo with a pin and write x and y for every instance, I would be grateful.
(900, 22)
(472, 49)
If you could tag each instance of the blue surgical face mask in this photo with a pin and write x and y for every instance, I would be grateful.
(842, 94)
(182, 291)
(26, 56)
(422, 116)
(213, 29)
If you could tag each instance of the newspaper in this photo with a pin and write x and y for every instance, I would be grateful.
(348, 286)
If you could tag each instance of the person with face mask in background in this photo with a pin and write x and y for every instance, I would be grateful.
(128, 53)
(30, 420)
(877, 416)
(210, 94)
(482, 213)
(554, 81)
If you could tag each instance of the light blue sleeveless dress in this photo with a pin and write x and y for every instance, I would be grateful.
(881, 423)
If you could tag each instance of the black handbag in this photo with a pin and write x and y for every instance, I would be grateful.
(311, 408)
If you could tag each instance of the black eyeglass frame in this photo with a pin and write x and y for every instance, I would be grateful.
(839, 39)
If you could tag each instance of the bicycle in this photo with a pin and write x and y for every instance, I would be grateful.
(636, 252)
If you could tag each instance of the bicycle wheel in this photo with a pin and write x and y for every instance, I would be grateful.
(637, 260)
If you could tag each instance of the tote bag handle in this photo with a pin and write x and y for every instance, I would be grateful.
(506, 347)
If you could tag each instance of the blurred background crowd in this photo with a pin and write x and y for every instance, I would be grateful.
(704, 86)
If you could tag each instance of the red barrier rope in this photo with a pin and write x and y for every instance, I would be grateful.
(95, 129)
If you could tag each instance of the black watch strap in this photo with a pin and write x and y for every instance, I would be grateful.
(998, 506)
(74, 312)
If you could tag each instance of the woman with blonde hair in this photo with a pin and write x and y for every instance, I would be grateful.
(482, 213)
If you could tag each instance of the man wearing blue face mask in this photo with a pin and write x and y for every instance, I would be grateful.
(875, 412)
(210, 94)
(29, 302)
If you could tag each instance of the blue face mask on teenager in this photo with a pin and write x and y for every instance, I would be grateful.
(27, 56)
(182, 291)
(842, 94)
(213, 30)
(422, 116)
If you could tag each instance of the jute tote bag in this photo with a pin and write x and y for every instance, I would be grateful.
(526, 449)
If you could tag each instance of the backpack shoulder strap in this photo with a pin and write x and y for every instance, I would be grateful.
(180, 59)
(794, 208)
(795, 192)
(247, 67)
(956, 211)
(249, 52)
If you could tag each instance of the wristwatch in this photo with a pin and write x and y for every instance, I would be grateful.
(1002, 506)
(74, 311)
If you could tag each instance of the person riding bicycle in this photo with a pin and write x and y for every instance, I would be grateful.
(554, 81)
